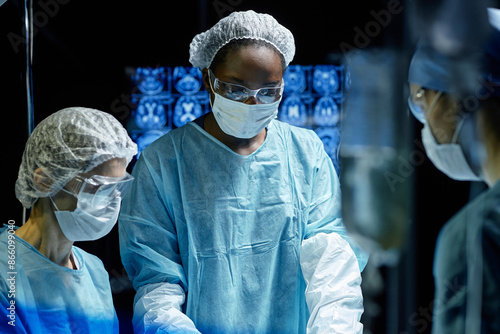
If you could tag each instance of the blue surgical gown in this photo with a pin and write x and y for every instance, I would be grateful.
(50, 298)
(228, 228)
(467, 270)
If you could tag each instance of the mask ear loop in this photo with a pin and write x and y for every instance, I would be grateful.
(434, 102)
(53, 203)
(431, 109)
(211, 87)
(454, 139)
(66, 191)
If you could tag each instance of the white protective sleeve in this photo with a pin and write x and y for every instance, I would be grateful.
(333, 279)
(157, 309)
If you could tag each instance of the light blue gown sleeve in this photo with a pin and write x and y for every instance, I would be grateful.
(325, 208)
(150, 251)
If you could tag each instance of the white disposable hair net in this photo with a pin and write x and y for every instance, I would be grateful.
(241, 25)
(69, 142)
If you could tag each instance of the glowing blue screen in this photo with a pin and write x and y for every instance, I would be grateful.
(165, 98)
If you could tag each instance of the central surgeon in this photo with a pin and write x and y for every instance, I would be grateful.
(233, 222)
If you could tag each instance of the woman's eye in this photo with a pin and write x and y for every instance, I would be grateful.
(236, 89)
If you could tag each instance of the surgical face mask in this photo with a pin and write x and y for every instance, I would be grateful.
(243, 120)
(448, 158)
(98, 207)
(85, 224)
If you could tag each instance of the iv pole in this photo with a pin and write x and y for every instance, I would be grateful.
(28, 29)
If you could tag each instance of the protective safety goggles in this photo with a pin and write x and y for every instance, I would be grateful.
(418, 105)
(99, 187)
(241, 93)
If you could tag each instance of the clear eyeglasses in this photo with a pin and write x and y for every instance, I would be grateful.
(241, 93)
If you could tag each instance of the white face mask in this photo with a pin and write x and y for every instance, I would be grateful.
(448, 158)
(242, 120)
(86, 222)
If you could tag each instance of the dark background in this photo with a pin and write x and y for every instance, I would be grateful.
(81, 49)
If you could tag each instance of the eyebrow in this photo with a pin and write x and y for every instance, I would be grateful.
(243, 83)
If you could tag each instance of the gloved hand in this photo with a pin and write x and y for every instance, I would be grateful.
(333, 279)
(157, 309)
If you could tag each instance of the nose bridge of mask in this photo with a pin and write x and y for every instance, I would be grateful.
(97, 201)
(239, 109)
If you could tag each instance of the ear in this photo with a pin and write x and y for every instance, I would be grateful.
(42, 181)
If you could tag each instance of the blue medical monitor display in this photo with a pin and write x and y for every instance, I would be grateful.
(165, 98)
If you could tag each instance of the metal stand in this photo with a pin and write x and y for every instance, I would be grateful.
(28, 29)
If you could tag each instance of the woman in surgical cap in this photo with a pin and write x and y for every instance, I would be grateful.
(233, 224)
(72, 175)
(461, 136)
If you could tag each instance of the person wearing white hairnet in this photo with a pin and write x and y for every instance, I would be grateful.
(233, 224)
(463, 143)
(72, 175)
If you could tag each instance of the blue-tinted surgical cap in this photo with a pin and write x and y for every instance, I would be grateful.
(433, 70)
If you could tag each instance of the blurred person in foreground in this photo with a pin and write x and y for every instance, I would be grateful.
(464, 143)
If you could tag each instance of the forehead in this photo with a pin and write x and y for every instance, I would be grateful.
(252, 64)
(115, 167)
